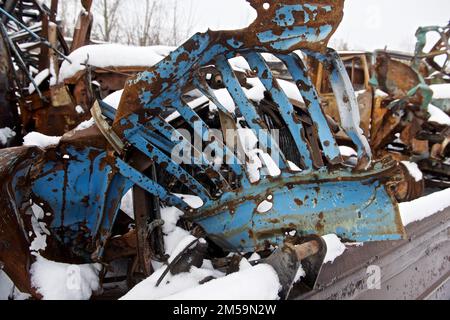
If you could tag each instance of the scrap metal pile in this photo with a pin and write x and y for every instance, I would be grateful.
(305, 186)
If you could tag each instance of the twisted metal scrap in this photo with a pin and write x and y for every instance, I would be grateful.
(82, 180)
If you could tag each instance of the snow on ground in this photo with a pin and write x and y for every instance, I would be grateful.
(438, 116)
(59, 281)
(414, 170)
(259, 282)
(254, 283)
(110, 55)
(6, 134)
(40, 140)
(424, 207)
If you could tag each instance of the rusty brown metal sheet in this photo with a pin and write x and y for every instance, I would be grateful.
(14, 240)
(83, 27)
(417, 268)
(397, 79)
(53, 119)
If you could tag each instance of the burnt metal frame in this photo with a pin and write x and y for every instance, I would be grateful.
(84, 184)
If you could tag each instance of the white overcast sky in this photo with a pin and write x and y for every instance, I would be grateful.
(368, 24)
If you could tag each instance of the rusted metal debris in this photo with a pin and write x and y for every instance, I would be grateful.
(413, 269)
(81, 181)
(35, 41)
(393, 98)
(438, 57)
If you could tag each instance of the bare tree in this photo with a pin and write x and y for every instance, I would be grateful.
(182, 22)
(189, 23)
(151, 11)
(145, 23)
(141, 22)
(340, 44)
(175, 24)
(108, 19)
(67, 14)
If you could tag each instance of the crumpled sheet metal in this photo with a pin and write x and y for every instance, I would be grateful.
(82, 181)
(163, 85)
(441, 49)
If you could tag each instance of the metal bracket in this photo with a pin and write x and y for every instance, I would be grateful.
(106, 129)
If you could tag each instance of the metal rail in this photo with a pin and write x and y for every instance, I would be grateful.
(416, 268)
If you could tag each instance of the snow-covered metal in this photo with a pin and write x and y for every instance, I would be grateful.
(82, 180)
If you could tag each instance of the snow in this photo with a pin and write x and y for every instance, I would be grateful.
(380, 94)
(258, 282)
(291, 90)
(239, 64)
(414, 170)
(126, 204)
(85, 124)
(79, 109)
(250, 283)
(225, 99)
(40, 77)
(114, 99)
(265, 206)
(8, 290)
(40, 140)
(6, 134)
(255, 283)
(254, 164)
(360, 92)
(174, 235)
(438, 116)
(272, 168)
(256, 93)
(293, 167)
(40, 230)
(59, 281)
(441, 91)
(112, 55)
(347, 151)
(300, 274)
(335, 248)
(147, 290)
(260, 163)
(424, 207)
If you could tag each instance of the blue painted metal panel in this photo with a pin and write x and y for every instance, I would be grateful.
(85, 190)
(356, 211)
(257, 63)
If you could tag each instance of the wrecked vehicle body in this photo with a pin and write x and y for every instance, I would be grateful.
(79, 183)
(413, 128)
